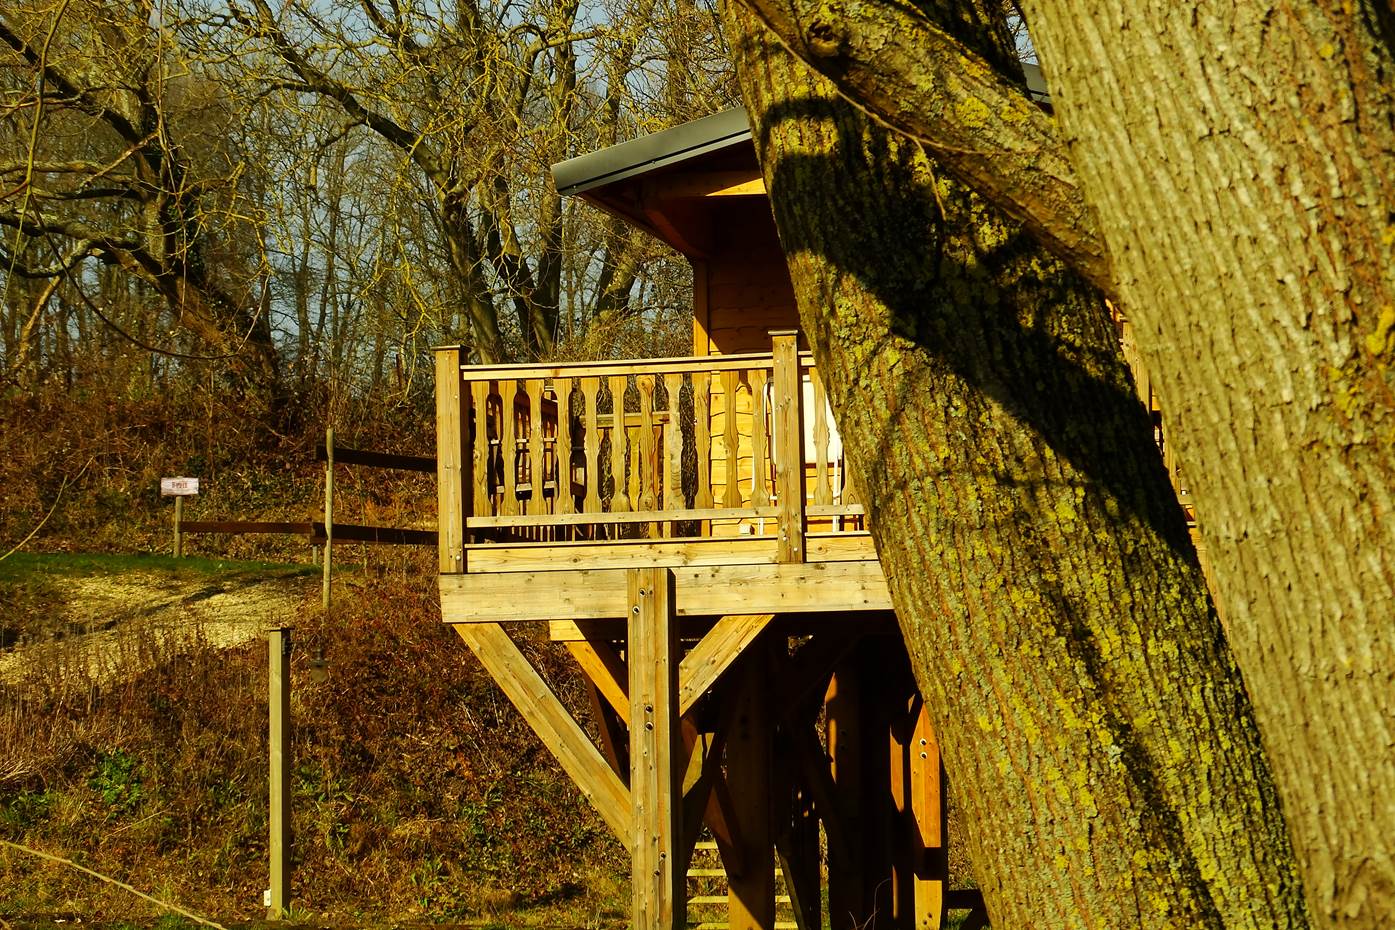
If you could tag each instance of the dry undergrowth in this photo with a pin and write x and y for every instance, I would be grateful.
(138, 748)
(419, 793)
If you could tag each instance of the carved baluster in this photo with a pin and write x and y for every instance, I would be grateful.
(536, 446)
(823, 492)
(508, 446)
(702, 438)
(479, 468)
(591, 436)
(731, 380)
(562, 448)
(673, 446)
(760, 438)
(648, 463)
(619, 501)
(496, 444)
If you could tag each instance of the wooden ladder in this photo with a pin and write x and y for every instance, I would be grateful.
(707, 887)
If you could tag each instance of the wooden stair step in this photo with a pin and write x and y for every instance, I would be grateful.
(701, 899)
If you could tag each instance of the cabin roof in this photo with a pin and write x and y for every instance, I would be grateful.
(657, 150)
(659, 182)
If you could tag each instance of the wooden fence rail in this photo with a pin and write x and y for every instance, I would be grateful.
(248, 527)
(315, 531)
(343, 455)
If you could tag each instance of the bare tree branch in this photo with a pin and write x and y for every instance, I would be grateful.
(900, 65)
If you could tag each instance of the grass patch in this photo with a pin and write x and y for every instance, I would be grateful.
(24, 567)
(33, 591)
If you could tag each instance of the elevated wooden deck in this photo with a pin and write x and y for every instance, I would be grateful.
(690, 531)
(555, 479)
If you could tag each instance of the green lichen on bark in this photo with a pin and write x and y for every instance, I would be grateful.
(1098, 735)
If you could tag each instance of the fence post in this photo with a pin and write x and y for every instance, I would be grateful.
(178, 533)
(278, 643)
(329, 516)
(788, 442)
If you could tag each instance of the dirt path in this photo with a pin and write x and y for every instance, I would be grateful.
(119, 624)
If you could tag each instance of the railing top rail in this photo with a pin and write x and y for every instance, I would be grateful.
(647, 366)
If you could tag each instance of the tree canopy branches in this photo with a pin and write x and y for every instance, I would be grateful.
(904, 65)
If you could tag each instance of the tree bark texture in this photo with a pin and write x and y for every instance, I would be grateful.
(1241, 158)
(1096, 731)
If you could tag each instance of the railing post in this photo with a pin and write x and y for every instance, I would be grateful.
(788, 443)
(451, 486)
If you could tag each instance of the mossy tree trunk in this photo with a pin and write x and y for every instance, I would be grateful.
(1097, 734)
(1243, 171)
(1228, 173)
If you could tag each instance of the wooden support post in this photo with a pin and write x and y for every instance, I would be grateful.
(278, 642)
(797, 838)
(930, 817)
(656, 789)
(789, 444)
(897, 747)
(919, 865)
(878, 809)
(178, 531)
(846, 894)
(751, 888)
(452, 486)
(619, 438)
(329, 518)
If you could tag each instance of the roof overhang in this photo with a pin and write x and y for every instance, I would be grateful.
(652, 152)
(658, 182)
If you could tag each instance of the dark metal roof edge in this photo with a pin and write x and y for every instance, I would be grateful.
(646, 153)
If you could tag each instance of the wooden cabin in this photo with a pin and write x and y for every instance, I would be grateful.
(692, 535)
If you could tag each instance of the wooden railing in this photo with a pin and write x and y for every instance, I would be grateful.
(717, 445)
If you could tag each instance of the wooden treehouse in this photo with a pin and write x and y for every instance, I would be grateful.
(691, 533)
